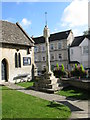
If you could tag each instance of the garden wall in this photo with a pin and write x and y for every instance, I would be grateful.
(82, 83)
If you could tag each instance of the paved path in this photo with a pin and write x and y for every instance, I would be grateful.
(79, 108)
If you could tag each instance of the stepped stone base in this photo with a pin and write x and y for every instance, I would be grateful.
(46, 82)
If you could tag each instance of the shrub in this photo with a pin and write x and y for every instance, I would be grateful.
(82, 69)
(78, 72)
(57, 65)
(62, 68)
(59, 72)
(76, 66)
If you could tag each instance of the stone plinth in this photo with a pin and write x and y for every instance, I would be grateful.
(47, 82)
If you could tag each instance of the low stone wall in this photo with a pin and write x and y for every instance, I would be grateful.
(82, 83)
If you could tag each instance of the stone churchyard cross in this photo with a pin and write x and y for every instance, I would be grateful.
(47, 82)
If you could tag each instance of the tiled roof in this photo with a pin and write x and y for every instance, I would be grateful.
(77, 40)
(53, 37)
(14, 34)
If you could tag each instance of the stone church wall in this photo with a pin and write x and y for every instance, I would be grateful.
(14, 73)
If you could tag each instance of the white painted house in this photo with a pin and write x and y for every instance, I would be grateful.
(80, 50)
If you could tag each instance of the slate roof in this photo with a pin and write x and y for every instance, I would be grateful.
(53, 37)
(14, 34)
(77, 40)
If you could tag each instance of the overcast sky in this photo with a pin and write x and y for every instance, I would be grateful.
(61, 15)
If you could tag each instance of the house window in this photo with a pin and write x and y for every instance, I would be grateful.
(26, 61)
(52, 57)
(52, 46)
(71, 51)
(43, 48)
(39, 57)
(36, 49)
(52, 67)
(39, 48)
(43, 67)
(85, 50)
(60, 56)
(35, 58)
(43, 58)
(59, 46)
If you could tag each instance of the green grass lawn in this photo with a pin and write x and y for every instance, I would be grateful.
(16, 104)
(74, 93)
(26, 84)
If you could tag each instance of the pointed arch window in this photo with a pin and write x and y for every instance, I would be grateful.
(19, 60)
(16, 62)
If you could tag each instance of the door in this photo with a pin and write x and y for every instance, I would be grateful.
(4, 70)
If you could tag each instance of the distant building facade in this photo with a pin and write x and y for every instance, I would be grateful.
(80, 50)
(59, 43)
(16, 53)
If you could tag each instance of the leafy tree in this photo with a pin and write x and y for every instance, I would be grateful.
(87, 32)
